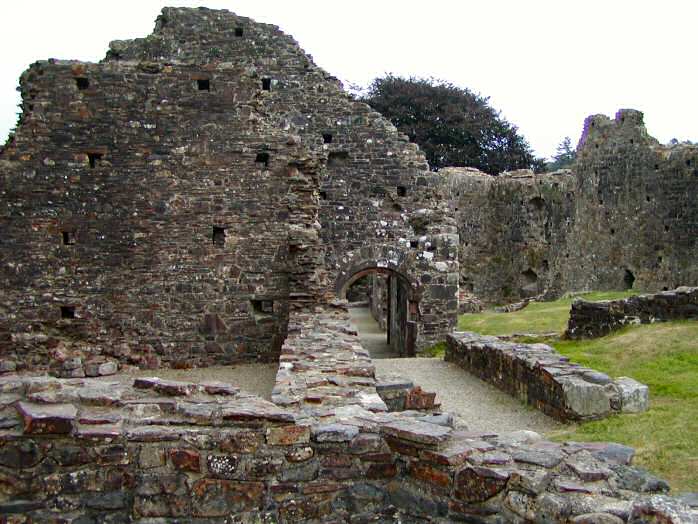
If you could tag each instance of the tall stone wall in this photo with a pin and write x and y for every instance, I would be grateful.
(150, 202)
(513, 229)
(622, 217)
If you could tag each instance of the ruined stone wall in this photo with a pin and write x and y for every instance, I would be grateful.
(539, 376)
(149, 449)
(622, 217)
(597, 319)
(148, 208)
(635, 216)
(513, 230)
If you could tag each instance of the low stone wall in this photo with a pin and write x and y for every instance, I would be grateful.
(540, 376)
(596, 319)
(85, 450)
(154, 451)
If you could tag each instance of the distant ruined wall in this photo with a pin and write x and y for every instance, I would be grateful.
(624, 216)
(511, 231)
(597, 319)
(149, 202)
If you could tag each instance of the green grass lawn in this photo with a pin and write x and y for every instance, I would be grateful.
(664, 356)
(537, 317)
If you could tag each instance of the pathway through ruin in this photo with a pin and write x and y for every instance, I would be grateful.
(373, 338)
(481, 407)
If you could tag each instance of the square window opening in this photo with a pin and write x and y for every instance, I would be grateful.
(239, 31)
(218, 236)
(68, 238)
(401, 191)
(266, 84)
(94, 159)
(204, 84)
(82, 83)
(263, 307)
(67, 311)
(327, 138)
(323, 195)
(262, 158)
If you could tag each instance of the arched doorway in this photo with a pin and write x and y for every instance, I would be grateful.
(392, 303)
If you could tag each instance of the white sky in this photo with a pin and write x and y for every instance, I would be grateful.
(546, 64)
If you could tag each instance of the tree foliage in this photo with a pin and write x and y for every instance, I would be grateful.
(564, 156)
(452, 125)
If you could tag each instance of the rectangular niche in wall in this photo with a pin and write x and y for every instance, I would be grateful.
(337, 158)
(218, 236)
(67, 311)
(68, 238)
(327, 138)
(203, 84)
(262, 158)
(94, 159)
(262, 307)
(266, 84)
(82, 83)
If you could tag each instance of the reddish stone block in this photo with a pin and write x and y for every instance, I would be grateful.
(477, 484)
(418, 399)
(381, 471)
(186, 460)
(430, 475)
(47, 418)
(288, 435)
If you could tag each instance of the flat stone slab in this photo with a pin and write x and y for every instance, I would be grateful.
(47, 418)
(416, 431)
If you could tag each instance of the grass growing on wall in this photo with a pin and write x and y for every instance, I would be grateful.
(664, 356)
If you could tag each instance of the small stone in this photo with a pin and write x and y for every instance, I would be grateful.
(634, 396)
(300, 455)
(288, 435)
(47, 419)
(8, 366)
(101, 369)
(334, 433)
(597, 518)
(185, 460)
(477, 484)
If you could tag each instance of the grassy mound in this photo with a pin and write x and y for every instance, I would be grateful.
(664, 356)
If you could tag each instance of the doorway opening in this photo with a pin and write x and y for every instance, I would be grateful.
(383, 312)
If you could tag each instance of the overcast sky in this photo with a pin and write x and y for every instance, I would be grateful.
(545, 65)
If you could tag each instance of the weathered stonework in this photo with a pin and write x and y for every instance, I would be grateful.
(150, 202)
(596, 319)
(112, 451)
(543, 378)
(622, 217)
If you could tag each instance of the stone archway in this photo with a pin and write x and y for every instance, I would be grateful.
(393, 304)
(395, 297)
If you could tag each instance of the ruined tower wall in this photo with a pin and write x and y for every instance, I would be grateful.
(622, 217)
(635, 208)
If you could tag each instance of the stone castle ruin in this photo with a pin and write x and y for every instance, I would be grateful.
(207, 195)
(622, 217)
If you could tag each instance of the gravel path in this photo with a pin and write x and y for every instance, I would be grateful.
(479, 405)
(372, 337)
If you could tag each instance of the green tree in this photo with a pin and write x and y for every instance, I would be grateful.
(564, 156)
(452, 125)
